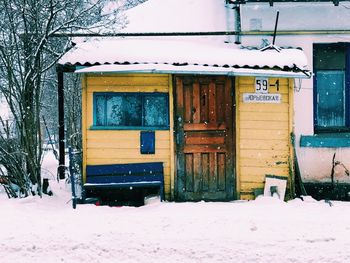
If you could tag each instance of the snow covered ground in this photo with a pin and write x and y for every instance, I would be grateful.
(264, 230)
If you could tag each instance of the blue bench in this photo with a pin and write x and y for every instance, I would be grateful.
(119, 176)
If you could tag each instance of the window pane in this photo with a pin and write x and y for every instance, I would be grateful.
(114, 110)
(329, 57)
(331, 98)
(132, 110)
(156, 110)
(100, 110)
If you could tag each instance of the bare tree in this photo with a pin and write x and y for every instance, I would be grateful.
(27, 53)
(132, 3)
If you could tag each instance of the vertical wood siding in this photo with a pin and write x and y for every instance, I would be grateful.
(263, 136)
(123, 146)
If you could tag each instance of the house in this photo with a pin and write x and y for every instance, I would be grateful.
(206, 117)
(321, 104)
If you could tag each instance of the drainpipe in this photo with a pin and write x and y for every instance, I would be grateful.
(233, 22)
(238, 28)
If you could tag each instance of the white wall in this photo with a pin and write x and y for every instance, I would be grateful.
(297, 16)
(315, 163)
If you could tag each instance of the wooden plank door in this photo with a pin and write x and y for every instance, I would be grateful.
(204, 138)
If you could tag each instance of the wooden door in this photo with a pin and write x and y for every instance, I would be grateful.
(204, 138)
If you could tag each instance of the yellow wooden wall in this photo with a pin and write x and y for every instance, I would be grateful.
(262, 131)
(263, 136)
(123, 146)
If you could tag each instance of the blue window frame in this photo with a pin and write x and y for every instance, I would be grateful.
(331, 88)
(131, 111)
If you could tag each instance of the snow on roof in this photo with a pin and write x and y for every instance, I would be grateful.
(180, 52)
(177, 16)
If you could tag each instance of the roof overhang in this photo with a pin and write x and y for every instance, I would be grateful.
(191, 70)
(184, 57)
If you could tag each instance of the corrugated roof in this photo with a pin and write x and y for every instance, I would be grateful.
(191, 70)
(181, 52)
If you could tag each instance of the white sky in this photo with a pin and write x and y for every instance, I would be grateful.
(177, 16)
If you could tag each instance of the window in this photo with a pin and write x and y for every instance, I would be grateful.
(331, 93)
(131, 111)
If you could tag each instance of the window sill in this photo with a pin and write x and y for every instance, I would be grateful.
(129, 128)
(330, 140)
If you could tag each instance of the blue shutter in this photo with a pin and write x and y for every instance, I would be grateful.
(330, 98)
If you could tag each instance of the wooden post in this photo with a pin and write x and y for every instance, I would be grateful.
(60, 97)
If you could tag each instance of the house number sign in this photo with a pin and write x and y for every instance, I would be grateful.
(262, 85)
(261, 98)
(262, 94)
